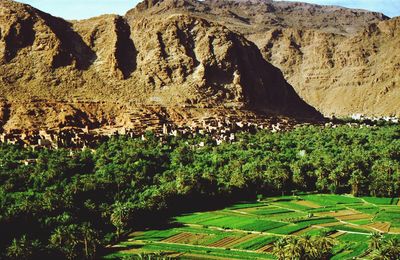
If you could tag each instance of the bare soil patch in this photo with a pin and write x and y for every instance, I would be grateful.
(381, 226)
(339, 213)
(355, 217)
(224, 242)
(177, 238)
(307, 204)
(266, 248)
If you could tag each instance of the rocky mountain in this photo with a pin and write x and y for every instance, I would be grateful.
(49, 67)
(186, 56)
(342, 75)
(252, 17)
(339, 60)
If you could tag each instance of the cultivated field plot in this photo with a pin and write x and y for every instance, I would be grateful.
(248, 230)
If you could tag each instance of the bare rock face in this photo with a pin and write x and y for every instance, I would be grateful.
(4, 112)
(341, 75)
(168, 60)
(49, 58)
(38, 51)
(192, 61)
(181, 53)
(339, 60)
(54, 115)
(252, 17)
(108, 37)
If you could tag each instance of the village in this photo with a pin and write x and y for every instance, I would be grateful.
(219, 129)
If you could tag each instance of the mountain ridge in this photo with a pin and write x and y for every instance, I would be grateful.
(334, 47)
(176, 61)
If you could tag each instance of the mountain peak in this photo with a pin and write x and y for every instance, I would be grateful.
(175, 60)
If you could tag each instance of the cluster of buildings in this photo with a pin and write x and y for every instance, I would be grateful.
(74, 138)
(219, 129)
(361, 117)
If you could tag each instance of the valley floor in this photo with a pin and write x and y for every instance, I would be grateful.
(248, 230)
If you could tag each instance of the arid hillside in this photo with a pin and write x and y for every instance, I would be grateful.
(339, 60)
(342, 75)
(250, 17)
(174, 60)
(257, 57)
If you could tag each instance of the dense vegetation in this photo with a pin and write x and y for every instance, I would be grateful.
(70, 204)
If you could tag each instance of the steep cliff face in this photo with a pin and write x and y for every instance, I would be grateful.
(38, 52)
(339, 60)
(109, 39)
(47, 57)
(341, 75)
(168, 60)
(190, 60)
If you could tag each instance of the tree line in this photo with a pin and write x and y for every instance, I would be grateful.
(71, 204)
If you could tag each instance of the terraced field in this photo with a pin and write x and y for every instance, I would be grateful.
(249, 230)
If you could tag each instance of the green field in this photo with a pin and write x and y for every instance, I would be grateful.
(249, 230)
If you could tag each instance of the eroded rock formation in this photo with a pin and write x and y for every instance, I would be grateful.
(341, 61)
(176, 60)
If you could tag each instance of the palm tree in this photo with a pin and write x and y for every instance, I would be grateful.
(65, 240)
(334, 178)
(120, 217)
(279, 248)
(355, 181)
(378, 254)
(390, 250)
(19, 249)
(294, 249)
(57, 236)
(90, 240)
(375, 240)
(324, 246)
(308, 246)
